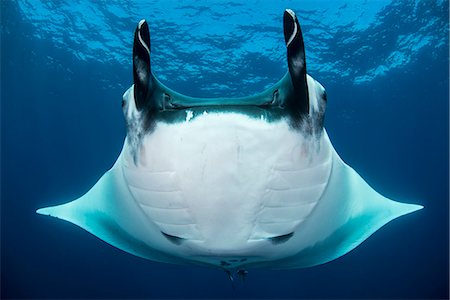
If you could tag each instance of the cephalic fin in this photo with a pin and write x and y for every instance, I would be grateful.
(141, 64)
(299, 100)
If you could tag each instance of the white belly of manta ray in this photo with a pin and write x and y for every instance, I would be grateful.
(227, 184)
(230, 183)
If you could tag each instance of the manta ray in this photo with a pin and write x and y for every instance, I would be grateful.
(231, 183)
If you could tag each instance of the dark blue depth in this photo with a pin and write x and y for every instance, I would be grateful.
(61, 131)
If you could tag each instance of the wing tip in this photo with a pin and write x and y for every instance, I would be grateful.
(400, 209)
(58, 211)
(42, 211)
(47, 211)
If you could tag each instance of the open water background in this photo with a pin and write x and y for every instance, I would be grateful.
(66, 64)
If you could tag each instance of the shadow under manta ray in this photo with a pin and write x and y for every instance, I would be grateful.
(233, 183)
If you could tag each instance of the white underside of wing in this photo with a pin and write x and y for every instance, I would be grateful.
(219, 189)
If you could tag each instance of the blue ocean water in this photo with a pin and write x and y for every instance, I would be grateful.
(66, 64)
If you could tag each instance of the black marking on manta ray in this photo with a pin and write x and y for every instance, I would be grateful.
(309, 125)
(277, 240)
(174, 239)
(312, 123)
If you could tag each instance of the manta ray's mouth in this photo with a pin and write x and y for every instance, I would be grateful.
(171, 100)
